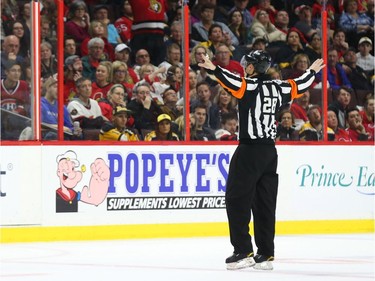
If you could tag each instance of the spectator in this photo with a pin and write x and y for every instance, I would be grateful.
(180, 122)
(339, 42)
(356, 75)
(314, 47)
(316, 15)
(286, 131)
(205, 98)
(15, 93)
(115, 97)
(177, 36)
(148, 28)
(173, 57)
(300, 64)
(49, 112)
(163, 130)
(340, 133)
(200, 30)
(237, 26)
(84, 109)
(259, 44)
(274, 73)
(266, 6)
(313, 129)
(142, 57)
(247, 17)
(357, 131)
(215, 38)
(48, 60)
(367, 113)
(144, 109)
(229, 125)
(354, 23)
(364, 58)
(46, 34)
(223, 59)
(101, 14)
(225, 102)
(121, 75)
(294, 45)
(103, 80)
(173, 80)
(10, 10)
(299, 109)
(116, 130)
(192, 84)
(94, 57)
(341, 104)
(25, 18)
(11, 46)
(98, 29)
(122, 53)
(125, 22)
(304, 23)
(73, 71)
(70, 47)
(336, 73)
(78, 22)
(282, 21)
(262, 27)
(196, 54)
(201, 131)
(169, 105)
(18, 30)
(15, 97)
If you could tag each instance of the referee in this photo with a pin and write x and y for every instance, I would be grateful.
(252, 180)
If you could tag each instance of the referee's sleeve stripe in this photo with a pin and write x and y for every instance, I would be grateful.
(236, 93)
(294, 90)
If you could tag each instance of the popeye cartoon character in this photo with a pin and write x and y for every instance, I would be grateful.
(69, 174)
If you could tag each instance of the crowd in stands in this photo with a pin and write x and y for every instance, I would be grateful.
(124, 75)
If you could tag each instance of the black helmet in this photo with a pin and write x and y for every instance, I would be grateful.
(261, 61)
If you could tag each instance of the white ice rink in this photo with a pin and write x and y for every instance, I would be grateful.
(298, 258)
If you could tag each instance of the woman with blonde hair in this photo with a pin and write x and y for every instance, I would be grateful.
(263, 28)
(103, 80)
(122, 76)
(97, 29)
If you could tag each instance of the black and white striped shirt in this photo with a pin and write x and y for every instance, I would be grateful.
(259, 100)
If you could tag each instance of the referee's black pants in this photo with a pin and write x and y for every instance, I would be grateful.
(252, 187)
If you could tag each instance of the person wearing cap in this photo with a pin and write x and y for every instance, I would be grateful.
(304, 23)
(364, 57)
(116, 130)
(356, 75)
(163, 130)
(73, 71)
(101, 13)
(125, 22)
(122, 53)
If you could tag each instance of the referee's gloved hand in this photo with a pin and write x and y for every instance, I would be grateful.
(317, 65)
(207, 63)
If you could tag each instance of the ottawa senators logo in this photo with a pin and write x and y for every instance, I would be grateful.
(155, 6)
